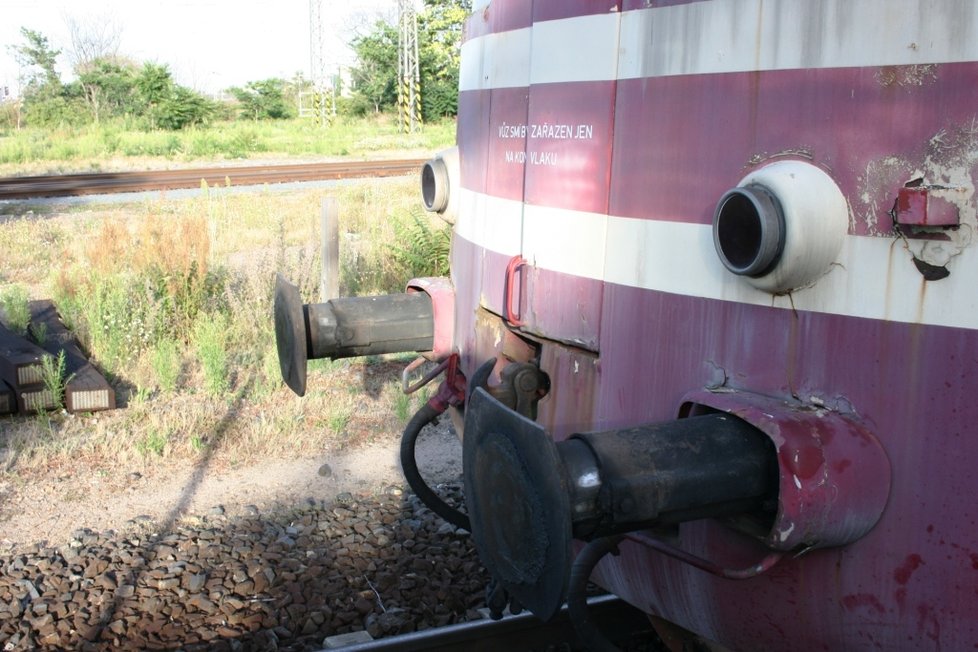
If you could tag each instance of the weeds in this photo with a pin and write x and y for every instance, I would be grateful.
(338, 421)
(139, 397)
(209, 337)
(153, 443)
(53, 377)
(166, 364)
(197, 443)
(402, 406)
(14, 301)
(39, 332)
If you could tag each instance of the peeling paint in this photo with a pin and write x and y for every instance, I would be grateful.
(907, 77)
(946, 172)
(784, 534)
(718, 375)
(757, 159)
(888, 172)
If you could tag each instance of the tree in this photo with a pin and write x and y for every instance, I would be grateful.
(154, 84)
(106, 79)
(375, 75)
(164, 103)
(439, 43)
(265, 99)
(108, 86)
(183, 108)
(37, 60)
(46, 101)
(92, 40)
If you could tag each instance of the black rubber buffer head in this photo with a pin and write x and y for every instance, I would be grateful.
(516, 495)
(290, 335)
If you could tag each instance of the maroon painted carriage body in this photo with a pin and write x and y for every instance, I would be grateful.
(595, 140)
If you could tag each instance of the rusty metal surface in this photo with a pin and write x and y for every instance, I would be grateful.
(901, 379)
(442, 295)
(922, 207)
(834, 474)
(109, 182)
(904, 367)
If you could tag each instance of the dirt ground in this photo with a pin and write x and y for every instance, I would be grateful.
(51, 509)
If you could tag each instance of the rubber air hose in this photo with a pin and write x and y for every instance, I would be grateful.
(409, 464)
(581, 570)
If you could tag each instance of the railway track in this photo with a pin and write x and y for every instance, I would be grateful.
(114, 182)
(626, 626)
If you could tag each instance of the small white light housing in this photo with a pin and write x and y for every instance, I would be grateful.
(440, 183)
(782, 227)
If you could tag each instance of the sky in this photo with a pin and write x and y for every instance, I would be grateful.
(209, 45)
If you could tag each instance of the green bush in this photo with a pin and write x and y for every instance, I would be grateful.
(421, 248)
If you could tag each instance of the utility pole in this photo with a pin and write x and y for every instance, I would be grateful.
(324, 94)
(408, 69)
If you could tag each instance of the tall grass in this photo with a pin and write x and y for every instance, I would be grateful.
(90, 146)
(175, 298)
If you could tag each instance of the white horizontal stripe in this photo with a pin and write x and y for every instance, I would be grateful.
(725, 36)
(593, 55)
(553, 237)
(679, 258)
(721, 37)
(875, 278)
(496, 61)
(490, 222)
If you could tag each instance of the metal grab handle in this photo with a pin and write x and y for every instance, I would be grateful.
(515, 263)
(406, 385)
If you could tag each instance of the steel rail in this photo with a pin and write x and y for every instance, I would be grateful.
(620, 620)
(113, 182)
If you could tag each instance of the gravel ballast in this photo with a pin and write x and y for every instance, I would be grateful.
(259, 580)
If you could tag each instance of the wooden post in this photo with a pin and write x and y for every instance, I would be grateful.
(329, 283)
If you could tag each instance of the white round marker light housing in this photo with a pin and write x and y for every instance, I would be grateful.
(782, 227)
(440, 184)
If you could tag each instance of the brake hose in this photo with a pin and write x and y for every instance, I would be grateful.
(409, 464)
(581, 570)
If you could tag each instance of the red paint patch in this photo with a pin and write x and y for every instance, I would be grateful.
(855, 600)
(910, 564)
(901, 598)
(803, 462)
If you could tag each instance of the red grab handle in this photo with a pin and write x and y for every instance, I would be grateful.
(512, 316)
